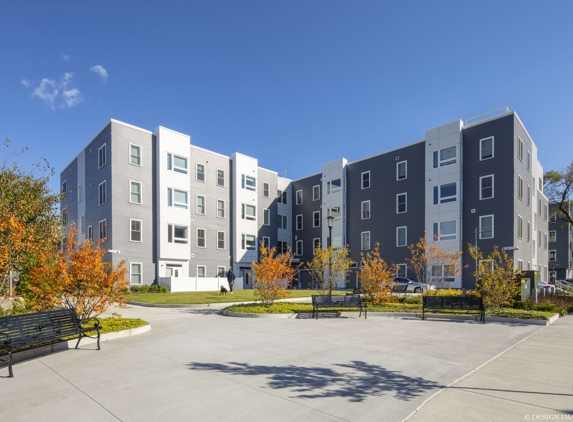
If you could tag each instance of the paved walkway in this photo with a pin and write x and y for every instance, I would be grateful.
(196, 365)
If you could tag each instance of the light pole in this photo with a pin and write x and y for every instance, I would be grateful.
(330, 219)
(477, 233)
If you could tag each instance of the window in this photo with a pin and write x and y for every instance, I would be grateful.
(177, 198)
(201, 241)
(315, 243)
(249, 242)
(528, 231)
(539, 207)
(298, 197)
(540, 184)
(519, 188)
(316, 219)
(65, 216)
(401, 234)
(220, 208)
(553, 255)
(445, 157)
(135, 192)
(135, 273)
(134, 155)
(80, 193)
(103, 230)
(519, 149)
(282, 247)
(200, 205)
(486, 148)
(401, 203)
(220, 181)
(316, 193)
(520, 264)
(135, 235)
(220, 240)
(221, 272)
(334, 211)
(553, 217)
(82, 224)
(177, 234)
(528, 161)
(444, 273)
(401, 270)
(200, 172)
(248, 212)
(486, 187)
(266, 217)
(401, 170)
(101, 156)
(334, 186)
(366, 180)
(298, 247)
(486, 227)
(266, 241)
(445, 230)
(519, 227)
(545, 211)
(266, 190)
(528, 196)
(365, 210)
(201, 271)
(445, 193)
(102, 193)
(282, 220)
(299, 222)
(248, 183)
(177, 163)
(90, 233)
(282, 197)
(365, 240)
(545, 241)
(64, 188)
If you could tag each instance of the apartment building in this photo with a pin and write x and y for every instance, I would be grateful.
(181, 215)
(560, 246)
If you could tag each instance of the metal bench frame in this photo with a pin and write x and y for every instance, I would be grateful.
(453, 302)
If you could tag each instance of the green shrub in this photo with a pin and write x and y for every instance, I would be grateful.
(135, 289)
(163, 289)
(522, 304)
(145, 288)
(546, 307)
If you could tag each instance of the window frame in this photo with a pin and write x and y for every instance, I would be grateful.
(367, 181)
(139, 156)
(140, 264)
(204, 267)
(102, 193)
(481, 187)
(175, 167)
(398, 196)
(171, 202)
(554, 236)
(481, 149)
(405, 162)
(245, 215)
(316, 197)
(203, 238)
(102, 157)
(90, 235)
(554, 253)
(314, 219)
(519, 187)
(131, 184)
(446, 199)
(519, 227)
(299, 222)
(103, 233)
(362, 240)
(520, 147)
(220, 178)
(245, 245)
(197, 209)
(315, 244)
(266, 190)
(362, 210)
(481, 230)
(171, 231)
(219, 240)
(199, 174)
(439, 162)
(282, 221)
(298, 198)
(221, 209)
(398, 245)
(131, 231)
(444, 237)
(248, 183)
(266, 217)
(299, 248)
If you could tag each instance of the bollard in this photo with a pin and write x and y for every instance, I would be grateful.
(534, 296)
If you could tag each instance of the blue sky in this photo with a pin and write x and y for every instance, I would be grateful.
(292, 83)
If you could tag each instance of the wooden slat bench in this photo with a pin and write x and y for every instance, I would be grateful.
(455, 303)
(342, 301)
(40, 328)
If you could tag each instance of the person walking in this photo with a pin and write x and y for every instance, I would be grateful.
(230, 279)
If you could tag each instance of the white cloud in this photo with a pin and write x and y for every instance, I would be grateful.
(47, 91)
(72, 97)
(26, 82)
(66, 57)
(100, 70)
(53, 93)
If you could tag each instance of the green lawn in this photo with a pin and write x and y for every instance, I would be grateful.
(211, 297)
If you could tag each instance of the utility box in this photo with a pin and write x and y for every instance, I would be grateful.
(529, 282)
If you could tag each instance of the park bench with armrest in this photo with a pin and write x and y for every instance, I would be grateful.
(342, 301)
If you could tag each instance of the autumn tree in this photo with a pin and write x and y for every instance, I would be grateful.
(329, 267)
(273, 274)
(498, 283)
(29, 218)
(431, 265)
(558, 187)
(77, 277)
(376, 276)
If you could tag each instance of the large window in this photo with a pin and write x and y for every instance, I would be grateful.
(103, 230)
(135, 233)
(248, 212)
(486, 187)
(316, 193)
(401, 170)
(177, 198)
(365, 244)
(401, 205)
(366, 180)
(528, 196)
(221, 272)
(316, 219)
(200, 172)
(315, 243)
(177, 234)
(282, 222)
(299, 222)
(135, 273)
(102, 193)
(552, 255)
(282, 247)
(282, 196)
(135, 192)
(201, 271)
(445, 157)
(486, 226)
(445, 230)
(220, 208)
(519, 188)
(80, 193)
(519, 149)
(445, 193)
(528, 231)
(201, 238)
(64, 190)
(444, 273)
(177, 163)
(248, 182)
(200, 205)
(266, 190)
(519, 227)
(334, 186)
(299, 250)
(299, 197)
(365, 210)
(134, 155)
(553, 236)
(401, 270)
(102, 156)
(90, 233)
(266, 217)
(249, 242)
(401, 236)
(486, 148)
(220, 240)
(220, 177)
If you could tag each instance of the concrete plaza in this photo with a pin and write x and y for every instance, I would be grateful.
(197, 365)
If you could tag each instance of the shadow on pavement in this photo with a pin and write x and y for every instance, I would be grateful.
(360, 381)
(199, 311)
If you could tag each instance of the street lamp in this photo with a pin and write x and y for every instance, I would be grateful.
(330, 220)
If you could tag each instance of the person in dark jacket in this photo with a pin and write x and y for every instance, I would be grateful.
(230, 279)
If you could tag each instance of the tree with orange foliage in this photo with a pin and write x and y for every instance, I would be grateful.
(376, 276)
(273, 274)
(77, 277)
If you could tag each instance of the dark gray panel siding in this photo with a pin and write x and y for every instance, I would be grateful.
(69, 202)
(270, 203)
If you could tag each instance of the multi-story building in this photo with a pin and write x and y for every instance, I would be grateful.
(182, 215)
(560, 245)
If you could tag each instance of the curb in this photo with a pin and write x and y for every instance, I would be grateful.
(209, 305)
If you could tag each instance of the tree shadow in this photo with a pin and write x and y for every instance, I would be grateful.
(355, 381)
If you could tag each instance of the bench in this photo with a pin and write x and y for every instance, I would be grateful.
(342, 301)
(399, 288)
(40, 328)
(454, 303)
